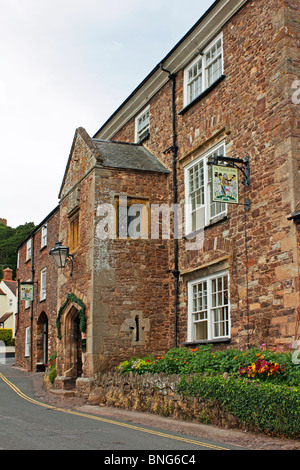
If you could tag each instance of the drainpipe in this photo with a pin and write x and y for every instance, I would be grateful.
(174, 150)
(31, 307)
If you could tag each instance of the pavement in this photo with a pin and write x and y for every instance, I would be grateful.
(244, 439)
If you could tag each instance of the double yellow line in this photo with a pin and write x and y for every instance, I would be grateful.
(109, 421)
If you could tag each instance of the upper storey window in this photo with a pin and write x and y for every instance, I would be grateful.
(201, 211)
(44, 236)
(74, 231)
(28, 250)
(142, 124)
(203, 71)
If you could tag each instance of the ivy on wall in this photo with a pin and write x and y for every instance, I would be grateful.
(82, 316)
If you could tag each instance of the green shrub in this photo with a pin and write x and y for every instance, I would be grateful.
(52, 366)
(273, 409)
(262, 389)
(6, 336)
(52, 375)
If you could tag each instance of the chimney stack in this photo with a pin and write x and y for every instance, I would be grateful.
(3, 221)
(7, 274)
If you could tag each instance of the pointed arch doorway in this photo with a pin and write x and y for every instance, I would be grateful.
(42, 339)
(72, 344)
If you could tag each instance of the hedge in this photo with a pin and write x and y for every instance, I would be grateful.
(270, 408)
(6, 335)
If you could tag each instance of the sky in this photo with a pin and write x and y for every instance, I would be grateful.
(66, 64)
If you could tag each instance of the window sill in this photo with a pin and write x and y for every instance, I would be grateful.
(143, 139)
(207, 341)
(216, 221)
(203, 94)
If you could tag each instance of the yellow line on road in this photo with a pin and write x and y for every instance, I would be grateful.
(109, 421)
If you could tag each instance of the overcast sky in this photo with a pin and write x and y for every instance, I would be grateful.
(65, 64)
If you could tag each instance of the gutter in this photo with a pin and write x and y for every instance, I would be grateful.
(140, 95)
(158, 66)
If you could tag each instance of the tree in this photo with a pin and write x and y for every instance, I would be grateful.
(10, 239)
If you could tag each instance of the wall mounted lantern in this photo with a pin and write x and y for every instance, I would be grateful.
(62, 256)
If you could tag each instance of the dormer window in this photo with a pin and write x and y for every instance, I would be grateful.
(142, 125)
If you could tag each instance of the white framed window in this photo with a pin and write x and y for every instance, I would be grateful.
(44, 236)
(209, 308)
(27, 302)
(28, 250)
(200, 210)
(204, 70)
(142, 124)
(43, 284)
(27, 341)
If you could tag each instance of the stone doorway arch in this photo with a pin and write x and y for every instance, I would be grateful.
(42, 339)
(72, 344)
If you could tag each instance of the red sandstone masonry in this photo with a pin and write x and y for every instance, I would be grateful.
(120, 281)
(41, 309)
(252, 110)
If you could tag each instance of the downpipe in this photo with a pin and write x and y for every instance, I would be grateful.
(174, 150)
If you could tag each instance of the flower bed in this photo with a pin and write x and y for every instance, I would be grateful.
(258, 386)
(258, 363)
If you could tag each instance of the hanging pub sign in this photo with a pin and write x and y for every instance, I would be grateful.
(225, 184)
(26, 291)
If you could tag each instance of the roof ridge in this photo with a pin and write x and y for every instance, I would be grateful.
(118, 142)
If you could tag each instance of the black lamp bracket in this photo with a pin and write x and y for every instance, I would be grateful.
(245, 168)
(69, 260)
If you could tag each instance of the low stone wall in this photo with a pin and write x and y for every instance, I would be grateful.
(156, 393)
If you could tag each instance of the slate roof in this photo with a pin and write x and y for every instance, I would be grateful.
(12, 285)
(5, 317)
(128, 156)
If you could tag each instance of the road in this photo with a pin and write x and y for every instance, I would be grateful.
(29, 424)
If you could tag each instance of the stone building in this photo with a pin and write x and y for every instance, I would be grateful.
(35, 324)
(204, 270)
(8, 300)
(122, 285)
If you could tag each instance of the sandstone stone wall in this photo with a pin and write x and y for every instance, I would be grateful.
(124, 284)
(131, 300)
(156, 393)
